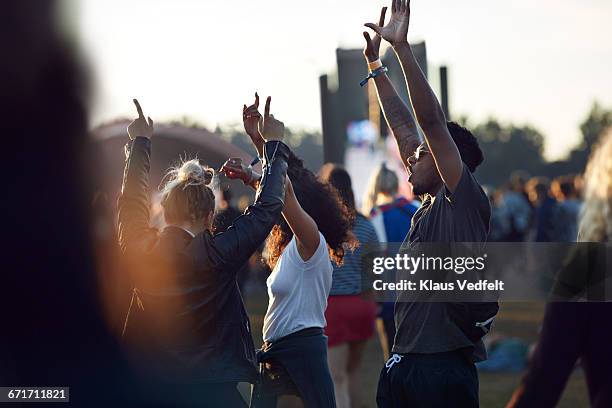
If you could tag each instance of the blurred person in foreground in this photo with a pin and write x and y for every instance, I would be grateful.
(314, 230)
(574, 331)
(351, 310)
(55, 331)
(436, 344)
(391, 216)
(192, 335)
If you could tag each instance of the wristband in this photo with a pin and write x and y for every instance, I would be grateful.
(256, 160)
(374, 65)
(374, 74)
(249, 176)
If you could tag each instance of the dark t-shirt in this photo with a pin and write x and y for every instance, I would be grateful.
(461, 216)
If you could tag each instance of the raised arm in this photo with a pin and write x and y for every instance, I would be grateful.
(251, 119)
(250, 230)
(303, 226)
(398, 116)
(427, 109)
(134, 231)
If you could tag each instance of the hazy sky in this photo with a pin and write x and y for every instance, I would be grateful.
(541, 62)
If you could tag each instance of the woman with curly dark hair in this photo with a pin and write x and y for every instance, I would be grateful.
(322, 202)
(313, 231)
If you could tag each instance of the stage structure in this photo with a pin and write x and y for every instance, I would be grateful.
(344, 102)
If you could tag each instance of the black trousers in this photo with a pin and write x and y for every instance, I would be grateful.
(428, 381)
(295, 365)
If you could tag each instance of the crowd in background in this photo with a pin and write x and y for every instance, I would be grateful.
(524, 209)
(536, 209)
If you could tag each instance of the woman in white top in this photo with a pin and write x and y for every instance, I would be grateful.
(313, 231)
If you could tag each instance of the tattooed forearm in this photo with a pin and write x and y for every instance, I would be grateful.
(402, 124)
(398, 117)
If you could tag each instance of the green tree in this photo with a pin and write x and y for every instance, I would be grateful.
(595, 123)
(508, 148)
(597, 120)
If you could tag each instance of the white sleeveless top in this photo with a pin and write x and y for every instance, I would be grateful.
(298, 291)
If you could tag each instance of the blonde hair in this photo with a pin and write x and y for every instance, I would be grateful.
(596, 213)
(186, 196)
(385, 181)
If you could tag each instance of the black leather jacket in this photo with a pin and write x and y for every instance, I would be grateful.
(189, 323)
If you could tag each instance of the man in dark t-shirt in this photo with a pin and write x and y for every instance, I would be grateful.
(432, 362)
(461, 216)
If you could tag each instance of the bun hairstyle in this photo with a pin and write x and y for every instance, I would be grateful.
(186, 196)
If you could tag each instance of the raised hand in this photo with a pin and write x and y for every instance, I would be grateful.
(235, 169)
(372, 49)
(396, 31)
(270, 128)
(251, 119)
(140, 126)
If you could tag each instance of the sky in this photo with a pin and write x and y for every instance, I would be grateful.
(537, 62)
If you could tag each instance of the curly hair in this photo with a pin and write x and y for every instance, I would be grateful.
(467, 144)
(322, 202)
(596, 214)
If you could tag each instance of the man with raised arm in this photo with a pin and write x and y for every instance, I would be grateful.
(436, 344)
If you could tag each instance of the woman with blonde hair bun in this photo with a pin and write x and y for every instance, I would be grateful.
(187, 197)
(190, 333)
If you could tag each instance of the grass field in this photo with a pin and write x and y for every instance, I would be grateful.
(515, 319)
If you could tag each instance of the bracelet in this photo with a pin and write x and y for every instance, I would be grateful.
(250, 176)
(374, 74)
(374, 65)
